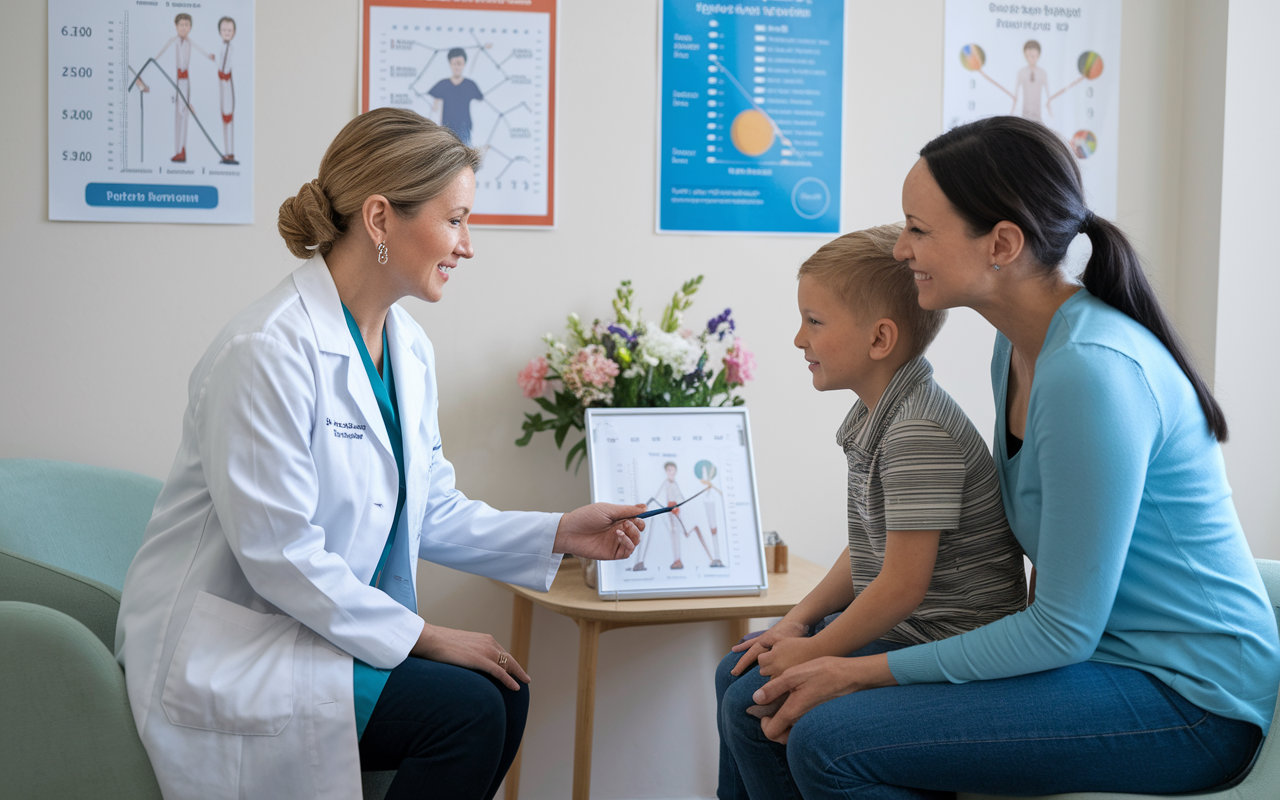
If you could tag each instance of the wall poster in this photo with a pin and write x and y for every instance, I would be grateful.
(1055, 64)
(486, 69)
(697, 462)
(151, 111)
(750, 109)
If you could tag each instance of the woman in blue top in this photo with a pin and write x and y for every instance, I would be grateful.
(1148, 659)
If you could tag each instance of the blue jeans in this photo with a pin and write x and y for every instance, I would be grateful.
(451, 732)
(1086, 727)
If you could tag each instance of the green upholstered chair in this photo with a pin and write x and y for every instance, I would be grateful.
(1263, 780)
(68, 533)
(67, 732)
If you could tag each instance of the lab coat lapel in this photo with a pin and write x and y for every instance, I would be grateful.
(324, 307)
(415, 394)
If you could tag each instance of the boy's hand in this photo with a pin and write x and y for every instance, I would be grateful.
(784, 629)
(787, 654)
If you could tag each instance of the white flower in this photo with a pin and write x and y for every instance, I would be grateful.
(658, 347)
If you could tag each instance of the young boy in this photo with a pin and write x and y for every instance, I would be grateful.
(930, 553)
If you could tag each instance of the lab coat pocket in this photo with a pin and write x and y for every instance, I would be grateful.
(232, 671)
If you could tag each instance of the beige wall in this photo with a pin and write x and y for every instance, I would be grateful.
(101, 324)
(1247, 327)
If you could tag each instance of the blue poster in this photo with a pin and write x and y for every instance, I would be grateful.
(750, 106)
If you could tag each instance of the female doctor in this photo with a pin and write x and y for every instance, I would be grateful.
(268, 628)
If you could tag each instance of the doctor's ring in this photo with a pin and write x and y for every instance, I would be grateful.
(502, 660)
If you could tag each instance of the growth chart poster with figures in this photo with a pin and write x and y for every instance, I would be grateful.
(1055, 64)
(486, 69)
(151, 111)
(750, 109)
(693, 466)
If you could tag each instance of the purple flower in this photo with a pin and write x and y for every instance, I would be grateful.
(721, 325)
(618, 330)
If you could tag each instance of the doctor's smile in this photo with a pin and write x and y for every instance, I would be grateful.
(275, 630)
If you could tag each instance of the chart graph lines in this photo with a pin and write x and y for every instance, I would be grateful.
(719, 64)
(137, 77)
(477, 53)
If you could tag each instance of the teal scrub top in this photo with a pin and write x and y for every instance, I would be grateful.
(369, 681)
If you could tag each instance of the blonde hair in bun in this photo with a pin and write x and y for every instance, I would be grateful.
(393, 152)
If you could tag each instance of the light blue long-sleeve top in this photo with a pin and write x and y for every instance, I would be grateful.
(1119, 497)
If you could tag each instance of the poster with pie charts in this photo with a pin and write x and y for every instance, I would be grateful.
(1058, 65)
(750, 112)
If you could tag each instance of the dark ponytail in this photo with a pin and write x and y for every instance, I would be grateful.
(1009, 168)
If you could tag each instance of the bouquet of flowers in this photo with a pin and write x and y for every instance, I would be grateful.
(633, 363)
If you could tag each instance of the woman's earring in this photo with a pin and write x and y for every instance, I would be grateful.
(382, 253)
(996, 267)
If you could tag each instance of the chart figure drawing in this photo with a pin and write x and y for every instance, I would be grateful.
(486, 75)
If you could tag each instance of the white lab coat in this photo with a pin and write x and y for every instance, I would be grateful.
(250, 594)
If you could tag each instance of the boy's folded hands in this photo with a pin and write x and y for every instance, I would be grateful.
(786, 654)
(784, 630)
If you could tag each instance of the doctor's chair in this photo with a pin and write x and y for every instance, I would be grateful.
(68, 533)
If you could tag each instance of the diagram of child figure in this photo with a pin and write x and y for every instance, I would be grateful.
(669, 495)
(453, 96)
(1033, 83)
(227, 90)
(181, 44)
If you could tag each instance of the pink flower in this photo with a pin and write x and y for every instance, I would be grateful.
(739, 364)
(533, 378)
(589, 375)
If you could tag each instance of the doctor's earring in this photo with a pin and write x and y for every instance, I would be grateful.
(382, 252)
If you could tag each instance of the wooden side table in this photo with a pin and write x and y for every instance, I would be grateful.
(570, 597)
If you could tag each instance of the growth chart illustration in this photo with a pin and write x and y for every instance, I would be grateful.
(669, 495)
(696, 465)
(1059, 66)
(151, 111)
(486, 75)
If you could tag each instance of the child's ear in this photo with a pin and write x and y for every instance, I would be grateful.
(884, 337)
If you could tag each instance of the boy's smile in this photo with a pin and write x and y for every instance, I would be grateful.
(835, 342)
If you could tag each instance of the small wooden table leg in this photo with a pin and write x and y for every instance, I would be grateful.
(737, 629)
(588, 647)
(521, 630)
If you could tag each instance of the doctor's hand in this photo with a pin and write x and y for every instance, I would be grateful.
(603, 531)
(478, 651)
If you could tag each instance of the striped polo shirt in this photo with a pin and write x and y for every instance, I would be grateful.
(916, 463)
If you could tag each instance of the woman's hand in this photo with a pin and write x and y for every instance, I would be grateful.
(478, 651)
(783, 629)
(815, 682)
(603, 531)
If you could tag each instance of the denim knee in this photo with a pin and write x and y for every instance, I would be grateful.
(735, 701)
(811, 759)
(723, 678)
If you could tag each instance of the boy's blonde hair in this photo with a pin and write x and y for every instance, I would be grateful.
(860, 269)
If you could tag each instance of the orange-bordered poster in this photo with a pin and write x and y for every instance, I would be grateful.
(486, 69)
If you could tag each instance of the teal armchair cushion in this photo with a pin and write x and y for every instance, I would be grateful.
(88, 520)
